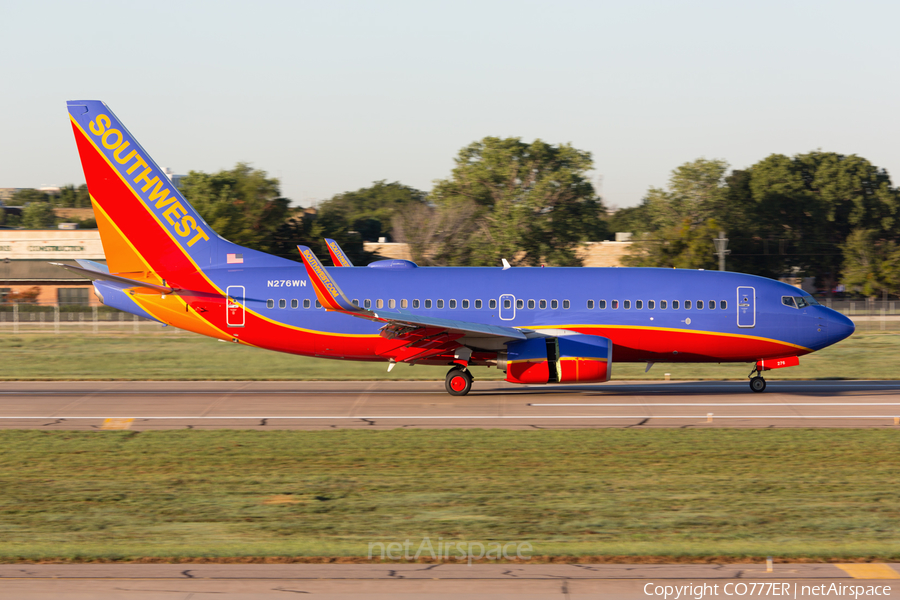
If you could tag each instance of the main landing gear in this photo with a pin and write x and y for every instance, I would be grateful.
(458, 382)
(757, 383)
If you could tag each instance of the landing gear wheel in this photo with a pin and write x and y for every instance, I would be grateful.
(458, 382)
(757, 384)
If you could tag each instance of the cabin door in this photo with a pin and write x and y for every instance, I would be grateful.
(746, 306)
(507, 307)
(234, 306)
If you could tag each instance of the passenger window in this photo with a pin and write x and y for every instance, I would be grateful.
(404, 303)
(651, 304)
(478, 304)
(663, 304)
(639, 304)
(428, 304)
(554, 304)
(507, 303)
(440, 304)
(367, 304)
(602, 304)
(723, 304)
(674, 304)
(392, 303)
(699, 304)
(465, 304)
(306, 303)
(615, 304)
(270, 304)
(492, 304)
(542, 304)
(453, 304)
(687, 305)
(520, 304)
(416, 303)
(379, 303)
(712, 304)
(318, 304)
(355, 303)
(590, 304)
(531, 305)
(626, 304)
(566, 305)
(282, 303)
(295, 303)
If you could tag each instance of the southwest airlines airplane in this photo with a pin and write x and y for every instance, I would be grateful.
(553, 325)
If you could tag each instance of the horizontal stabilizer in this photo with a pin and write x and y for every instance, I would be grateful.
(95, 275)
(92, 266)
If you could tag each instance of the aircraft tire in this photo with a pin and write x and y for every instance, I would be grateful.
(758, 384)
(458, 382)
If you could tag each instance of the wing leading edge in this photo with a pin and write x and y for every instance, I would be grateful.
(416, 336)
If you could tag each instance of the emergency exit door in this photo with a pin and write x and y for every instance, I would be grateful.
(234, 306)
(746, 306)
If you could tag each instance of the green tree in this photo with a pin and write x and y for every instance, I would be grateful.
(27, 195)
(682, 220)
(871, 263)
(368, 211)
(527, 202)
(38, 215)
(242, 205)
(72, 197)
(808, 205)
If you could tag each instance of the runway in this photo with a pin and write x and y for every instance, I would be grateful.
(390, 404)
(434, 581)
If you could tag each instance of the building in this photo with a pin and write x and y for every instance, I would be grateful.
(26, 274)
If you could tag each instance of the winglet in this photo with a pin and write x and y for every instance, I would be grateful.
(338, 256)
(327, 291)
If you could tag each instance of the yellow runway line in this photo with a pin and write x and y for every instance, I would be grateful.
(869, 571)
(117, 424)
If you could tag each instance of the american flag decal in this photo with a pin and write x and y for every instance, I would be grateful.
(235, 259)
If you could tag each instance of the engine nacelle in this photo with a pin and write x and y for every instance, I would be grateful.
(569, 359)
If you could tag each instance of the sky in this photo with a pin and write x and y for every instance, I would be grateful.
(331, 95)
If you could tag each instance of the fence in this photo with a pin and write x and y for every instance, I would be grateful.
(61, 318)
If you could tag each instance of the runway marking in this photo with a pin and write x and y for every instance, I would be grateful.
(469, 417)
(117, 423)
(869, 571)
(732, 404)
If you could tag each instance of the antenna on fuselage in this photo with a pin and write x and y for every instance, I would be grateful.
(506, 264)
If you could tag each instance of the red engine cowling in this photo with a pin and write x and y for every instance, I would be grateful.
(569, 359)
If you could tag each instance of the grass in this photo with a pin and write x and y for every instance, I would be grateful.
(168, 356)
(820, 494)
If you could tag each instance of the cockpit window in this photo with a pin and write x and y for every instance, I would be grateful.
(799, 301)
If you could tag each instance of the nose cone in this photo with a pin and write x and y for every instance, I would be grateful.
(839, 327)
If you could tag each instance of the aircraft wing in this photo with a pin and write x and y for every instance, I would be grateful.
(413, 332)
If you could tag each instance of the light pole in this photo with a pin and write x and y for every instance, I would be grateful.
(721, 243)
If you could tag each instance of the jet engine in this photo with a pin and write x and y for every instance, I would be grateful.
(569, 359)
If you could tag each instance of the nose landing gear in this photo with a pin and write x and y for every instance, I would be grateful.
(757, 383)
(458, 381)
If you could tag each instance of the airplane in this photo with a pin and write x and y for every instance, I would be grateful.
(538, 325)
